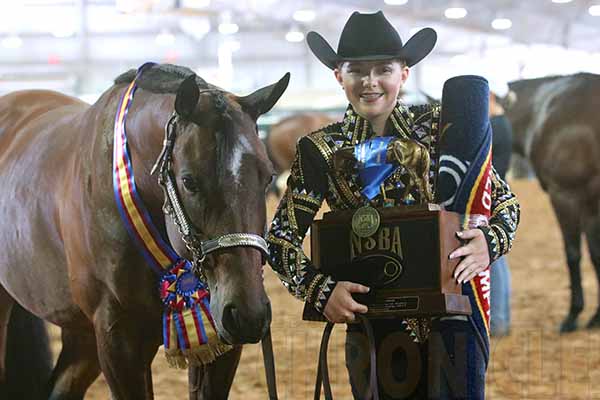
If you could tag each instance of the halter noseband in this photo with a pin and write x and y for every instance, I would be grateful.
(173, 207)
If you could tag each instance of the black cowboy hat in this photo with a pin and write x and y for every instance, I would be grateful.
(370, 37)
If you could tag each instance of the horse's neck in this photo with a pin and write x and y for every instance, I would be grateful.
(540, 110)
(145, 124)
(524, 118)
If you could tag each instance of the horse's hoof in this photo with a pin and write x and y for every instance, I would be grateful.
(568, 325)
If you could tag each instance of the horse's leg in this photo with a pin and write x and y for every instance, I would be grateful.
(6, 304)
(592, 232)
(567, 213)
(77, 366)
(125, 350)
(213, 381)
(25, 356)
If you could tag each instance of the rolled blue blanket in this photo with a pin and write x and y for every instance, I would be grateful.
(466, 140)
(464, 180)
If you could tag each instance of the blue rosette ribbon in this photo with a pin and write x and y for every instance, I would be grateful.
(373, 169)
(180, 288)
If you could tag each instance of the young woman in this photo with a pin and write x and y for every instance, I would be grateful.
(418, 358)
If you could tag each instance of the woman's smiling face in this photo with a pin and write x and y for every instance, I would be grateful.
(372, 87)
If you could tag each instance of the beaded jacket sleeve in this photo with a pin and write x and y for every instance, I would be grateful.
(500, 233)
(306, 190)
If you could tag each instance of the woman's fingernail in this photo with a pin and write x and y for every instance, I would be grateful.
(459, 234)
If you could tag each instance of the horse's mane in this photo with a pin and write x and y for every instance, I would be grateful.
(161, 78)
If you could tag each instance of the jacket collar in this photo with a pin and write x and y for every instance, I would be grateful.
(357, 129)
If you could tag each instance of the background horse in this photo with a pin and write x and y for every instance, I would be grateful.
(67, 257)
(556, 124)
(283, 137)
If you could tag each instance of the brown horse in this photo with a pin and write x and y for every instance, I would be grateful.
(66, 255)
(283, 136)
(282, 139)
(556, 123)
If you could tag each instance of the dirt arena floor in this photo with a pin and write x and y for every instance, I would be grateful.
(534, 362)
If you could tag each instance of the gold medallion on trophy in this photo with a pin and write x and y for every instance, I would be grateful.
(365, 221)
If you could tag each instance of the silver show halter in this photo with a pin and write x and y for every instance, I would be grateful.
(173, 207)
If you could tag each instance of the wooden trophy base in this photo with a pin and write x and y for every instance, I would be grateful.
(405, 305)
(401, 253)
(419, 305)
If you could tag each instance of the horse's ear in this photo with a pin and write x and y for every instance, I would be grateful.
(264, 99)
(187, 96)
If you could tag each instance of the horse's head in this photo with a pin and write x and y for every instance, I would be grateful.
(220, 170)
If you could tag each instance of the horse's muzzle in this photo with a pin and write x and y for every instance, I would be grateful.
(243, 327)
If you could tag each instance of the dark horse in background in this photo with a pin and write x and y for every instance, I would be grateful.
(556, 124)
(66, 256)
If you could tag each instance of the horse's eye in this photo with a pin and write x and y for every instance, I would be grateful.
(190, 184)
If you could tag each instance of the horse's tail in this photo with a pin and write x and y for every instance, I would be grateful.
(28, 356)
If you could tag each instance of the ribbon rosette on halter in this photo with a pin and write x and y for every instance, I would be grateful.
(187, 322)
(181, 288)
(189, 334)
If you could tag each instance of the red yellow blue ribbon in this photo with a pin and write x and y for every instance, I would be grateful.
(189, 334)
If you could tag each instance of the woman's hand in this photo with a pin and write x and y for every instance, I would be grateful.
(341, 307)
(475, 253)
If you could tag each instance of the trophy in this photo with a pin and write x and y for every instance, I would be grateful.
(400, 252)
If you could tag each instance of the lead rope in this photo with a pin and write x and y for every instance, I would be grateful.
(269, 361)
(323, 370)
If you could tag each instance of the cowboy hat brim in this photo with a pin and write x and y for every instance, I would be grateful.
(415, 49)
